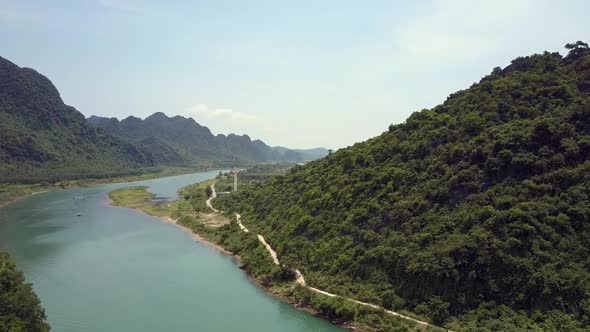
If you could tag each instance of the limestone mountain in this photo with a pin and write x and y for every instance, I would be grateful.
(191, 141)
(41, 138)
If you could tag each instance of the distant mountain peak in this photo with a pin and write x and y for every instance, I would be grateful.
(158, 116)
(24, 83)
(194, 141)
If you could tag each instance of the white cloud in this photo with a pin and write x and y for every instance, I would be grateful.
(202, 110)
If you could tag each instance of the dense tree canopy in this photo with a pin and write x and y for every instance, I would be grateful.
(20, 309)
(475, 213)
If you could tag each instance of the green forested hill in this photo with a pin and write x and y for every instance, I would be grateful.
(475, 213)
(183, 139)
(20, 309)
(41, 138)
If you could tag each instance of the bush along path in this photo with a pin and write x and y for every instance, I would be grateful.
(299, 279)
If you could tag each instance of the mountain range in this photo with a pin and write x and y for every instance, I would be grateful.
(43, 139)
(179, 140)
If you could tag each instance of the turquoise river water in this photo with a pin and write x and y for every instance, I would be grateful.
(117, 269)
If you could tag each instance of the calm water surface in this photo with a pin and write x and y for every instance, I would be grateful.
(116, 269)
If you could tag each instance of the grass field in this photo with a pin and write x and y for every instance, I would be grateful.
(131, 196)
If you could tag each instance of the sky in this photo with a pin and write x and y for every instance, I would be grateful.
(300, 74)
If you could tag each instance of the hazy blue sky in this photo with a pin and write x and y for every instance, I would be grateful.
(296, 73)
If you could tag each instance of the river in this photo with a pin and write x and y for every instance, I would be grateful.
(117, 269)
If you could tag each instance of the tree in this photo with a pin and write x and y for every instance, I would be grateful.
(577, 45)
(283, 274)
(439, 310)
(208, 191)
(473, 123)
(20, 309)
(577, 49)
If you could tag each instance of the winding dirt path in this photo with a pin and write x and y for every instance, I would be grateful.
(242, 227)
(213, 195)
(273, 254)
(301, 280)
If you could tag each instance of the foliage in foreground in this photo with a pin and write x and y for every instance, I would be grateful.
(20, 309)
(474, 213)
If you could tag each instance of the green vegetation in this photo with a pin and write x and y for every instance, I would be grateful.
(253, 174)
(196, 195)
(225, 182)
(140, 198)
(20, 309)
(192, 212)
(347, 313)
(180, 140)
(131, 196)
(42, 139)
(474, 213)
(10, 192)
(255, 258)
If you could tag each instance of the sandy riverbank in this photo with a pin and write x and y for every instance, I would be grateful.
(193, 234)
(198, 237)
(4, 204)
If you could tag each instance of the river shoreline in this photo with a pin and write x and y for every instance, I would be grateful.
(18, 198)
(135, 199)
(96, 182)
(199, 238)
(256, 281)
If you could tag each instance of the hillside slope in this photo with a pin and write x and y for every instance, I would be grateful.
(475, 213)
(41, 138)
(193, 142)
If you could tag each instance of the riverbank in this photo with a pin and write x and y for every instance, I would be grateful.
(264, 269)
(10, 193)
(15, 197)
(198, 237)
(139, 199)
(137, 258)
